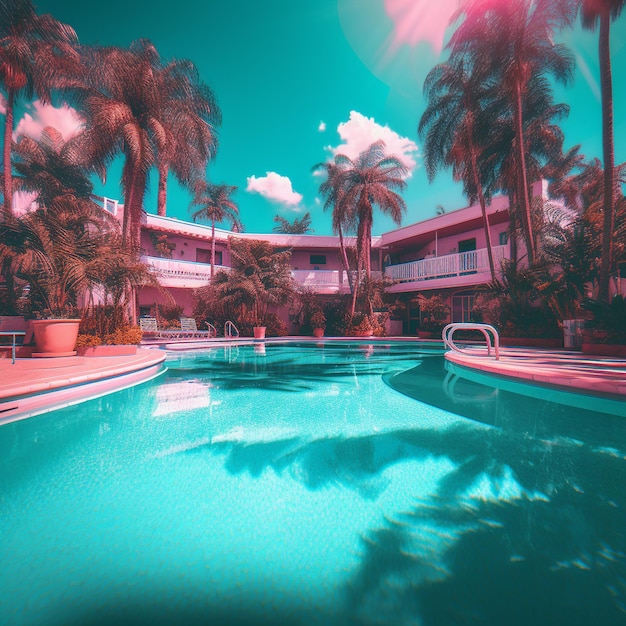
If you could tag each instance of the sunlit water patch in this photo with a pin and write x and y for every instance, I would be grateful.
(293, 485)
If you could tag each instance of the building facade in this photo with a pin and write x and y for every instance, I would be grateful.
(444, 255)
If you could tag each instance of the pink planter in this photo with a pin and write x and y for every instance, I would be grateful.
(318, 332)
(55, 337)
(259, 332)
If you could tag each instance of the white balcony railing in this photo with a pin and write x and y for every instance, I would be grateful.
(472, 262)
(325, 280)
(181, 273)
(189, 274)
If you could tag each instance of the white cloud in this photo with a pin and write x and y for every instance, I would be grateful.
(318, 202)
(359, 132)
(65, 119)
(274, 187)
(322, 127)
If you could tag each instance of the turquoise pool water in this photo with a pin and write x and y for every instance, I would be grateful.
(315, 484)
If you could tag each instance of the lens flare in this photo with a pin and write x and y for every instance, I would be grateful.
(420, 20)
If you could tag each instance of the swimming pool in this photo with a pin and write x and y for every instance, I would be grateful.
(327, 483)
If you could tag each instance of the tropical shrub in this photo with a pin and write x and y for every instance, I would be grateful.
(434, 313)
(608, 323)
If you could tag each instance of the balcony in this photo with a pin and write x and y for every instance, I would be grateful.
(190, 275)
(450, 270)
(325, 281)
(182, 274)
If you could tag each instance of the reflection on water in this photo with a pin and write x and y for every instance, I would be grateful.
(296, 487)
(537, 411)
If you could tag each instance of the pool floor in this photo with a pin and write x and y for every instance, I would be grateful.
(295, 485)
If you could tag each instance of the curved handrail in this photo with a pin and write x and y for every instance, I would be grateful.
(230, 330)
(485, 329)
(212, 330)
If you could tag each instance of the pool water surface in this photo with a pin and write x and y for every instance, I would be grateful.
(327, 483)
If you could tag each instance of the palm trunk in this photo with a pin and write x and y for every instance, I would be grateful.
(162, 191)
(128, 178)
(8, 138)
(483, 209)
(512, 227)
(344, 259)
(608, 155)
(212, 248)
(522, 177)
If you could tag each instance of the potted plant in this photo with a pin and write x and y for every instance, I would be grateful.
(60, 252)
(318, 323)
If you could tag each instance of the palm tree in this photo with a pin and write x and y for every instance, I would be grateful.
(46, 168)
(216, 206)
(58, 250)
(297, 227)
(451, 125)
(260, 277)
(368, 181)
(192, 114)
(330, 189)
(514, 40)
(36, 52)
(603, 12)
(125, 113)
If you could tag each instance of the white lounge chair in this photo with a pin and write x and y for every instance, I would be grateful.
(189, 328)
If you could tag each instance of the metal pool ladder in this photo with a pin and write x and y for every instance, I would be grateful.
(485, 329)
(230, 330)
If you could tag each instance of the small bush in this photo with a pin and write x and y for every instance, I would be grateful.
(124, 336)
(88, 341)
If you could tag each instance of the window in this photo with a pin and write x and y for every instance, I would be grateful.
(317, 259)
(204, 256)
(462, 304)
(504, 238)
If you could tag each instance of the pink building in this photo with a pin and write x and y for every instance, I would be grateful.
(446, 254)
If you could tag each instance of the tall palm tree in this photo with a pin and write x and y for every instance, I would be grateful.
(330, 189)
(216, 206)
(451, 125)
(36, 52)
(515, 41)
(603, 12)
(370, 180)
(193, 114)
(297, 227)
(125, 113)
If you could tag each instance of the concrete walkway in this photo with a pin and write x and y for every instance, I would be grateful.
(31, 385)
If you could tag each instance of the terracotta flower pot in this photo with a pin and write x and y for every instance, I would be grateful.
(318, 332)
(259, 332)
(55, 337)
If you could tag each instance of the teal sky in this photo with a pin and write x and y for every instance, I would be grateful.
(287, 74)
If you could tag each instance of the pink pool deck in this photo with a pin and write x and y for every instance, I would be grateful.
(570, 370)
(31, 386)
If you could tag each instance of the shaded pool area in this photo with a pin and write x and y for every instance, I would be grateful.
(322, 483)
